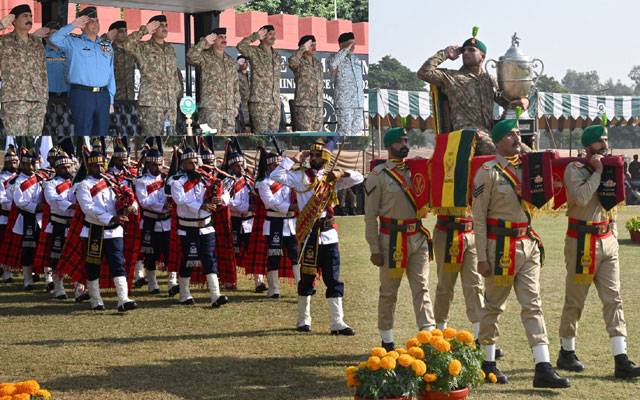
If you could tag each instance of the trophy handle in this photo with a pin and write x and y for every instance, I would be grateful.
(536, 62)
(493, 63)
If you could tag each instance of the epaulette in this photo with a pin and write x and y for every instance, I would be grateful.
(489, 164)
(578, 164)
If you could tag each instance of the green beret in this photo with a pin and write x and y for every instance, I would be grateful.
(393, 135)
(592, 134)
(473, 42)
(502, 129)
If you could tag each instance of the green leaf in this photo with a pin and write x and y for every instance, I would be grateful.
(474, 31)
(519, 112)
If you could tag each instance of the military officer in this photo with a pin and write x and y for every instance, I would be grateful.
(56, 66)
(124, 63)
(245, 90)
(307, 71)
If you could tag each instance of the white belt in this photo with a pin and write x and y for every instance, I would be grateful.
(58, 219)
(156, 216)
(276, 214)
(194, 223)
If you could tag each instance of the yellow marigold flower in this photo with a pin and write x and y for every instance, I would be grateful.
(378, 352)
(21, 396)
(455, 367)
(412, 343)
(362, 365)
(442, 345)
(5, 398)
(492, 377)
(466, 337)
(436, 332)
(8, 389)
(405, 360)
(393, 354)
(430, 377)
(44, 394)
(28, 387)
(449, 333)
(350, 370)
(423, 337)
(484, 376)
(388, 363)
(401, 350)
(419, 367)
(417, 352)
(373, 363)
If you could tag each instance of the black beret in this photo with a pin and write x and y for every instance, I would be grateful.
(305, 38)
(220, 31)
(22, 8)
(90, 12)
(241, 56)
(118, 25)
(268, 28)
(345, 37)
(159, 18)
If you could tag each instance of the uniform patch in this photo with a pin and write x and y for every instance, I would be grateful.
(367, 191)
(478, 190)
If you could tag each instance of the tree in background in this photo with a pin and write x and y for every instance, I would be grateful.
(354, 10)
(550, 84)
(634, 75)
(389, 73)
(582, 82)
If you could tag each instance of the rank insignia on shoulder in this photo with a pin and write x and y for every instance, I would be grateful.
(578, 164)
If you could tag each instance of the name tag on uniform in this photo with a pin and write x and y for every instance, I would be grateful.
(105, 47)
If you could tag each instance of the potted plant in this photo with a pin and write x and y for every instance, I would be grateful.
(25, 390)
(386, 375)
(633, 225)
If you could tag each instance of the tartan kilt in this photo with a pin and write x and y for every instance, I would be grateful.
(132, 243)
(175, 249)
(11, 246)
(225, 254)
(43, 249)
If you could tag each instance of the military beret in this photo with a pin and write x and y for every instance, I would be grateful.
(241, 56)
(393, 135)
(269, 28)
(345, 37)
(592, 134)
(306, 38)
(502, 129)
(473, 42)
(90, 12)
(159, 18)
(118, 25)
(220, 31)
(20, 9)
(52, 25)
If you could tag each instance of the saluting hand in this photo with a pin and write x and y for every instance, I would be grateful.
(307, 45)
(262, 33)
(81, 22)
(210, 38)
(453, 52)
(152, 27)
(7, 20)
(41, 33)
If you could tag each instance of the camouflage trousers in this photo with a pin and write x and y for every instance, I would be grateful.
(222, 121)
(265, 117)
(245, 117)
(23, 118)
(350, 121)
(307, 119)
(152, 120)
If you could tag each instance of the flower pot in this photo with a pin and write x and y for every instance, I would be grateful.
(635, 236)
(459, 394)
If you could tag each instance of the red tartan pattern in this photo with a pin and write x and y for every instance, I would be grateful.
(43, 249)
(225, 254)
(175, 250)
(11, 246)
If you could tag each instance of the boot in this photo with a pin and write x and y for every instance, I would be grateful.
(296, 272)
(217, 299)
(80, 293)
(48, 279)
(93, 287)
(272, 280)
(27, 278)
(154, 288)
(122, 291)
(58, 291)
(338, 326)
(547, 377)
(6, 275)
(490, 367)
(304, 314)
(388, 346)
(568, 361)
(139, 275)
(625, 368)
(185, 297)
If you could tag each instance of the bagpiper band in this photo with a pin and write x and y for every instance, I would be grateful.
(8, 173)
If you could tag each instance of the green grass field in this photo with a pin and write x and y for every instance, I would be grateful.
(249, 350)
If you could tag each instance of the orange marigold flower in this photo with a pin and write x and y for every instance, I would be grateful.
(401, 350)
(412, 343)
(350, 370)
(442, 345)
(423, 337)
(492, 377)
(436, 332)
(45, 394)
(21, 396)
(465, 337)
(388, 363)
(417, 352)
(484, 376)
(373, 363)
(28, 387)
(419, 367)
(430, 377)
(5, 397)
(378, 352)
(352, 381)
(455, 367)
(405, 360)
(8, 389)
(449, 333)
(394, 354)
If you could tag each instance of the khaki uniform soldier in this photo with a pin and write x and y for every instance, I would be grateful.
(23, 72)
(160, 86)
(592, 240)
(503, 232)
(124, 63)
(307, 71)
(388, 202)
(471, 90)
(220, 90)
(264, 102)
(245, 89)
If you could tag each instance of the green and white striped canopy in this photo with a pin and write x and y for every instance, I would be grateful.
(585, 106)
(403, 103)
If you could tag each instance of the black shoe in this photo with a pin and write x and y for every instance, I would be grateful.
(547, 377)
(222, 300)
(275, 296)
(140, 282)
(28, 288)
(83, 297)
(50, 287)
(626, 368)
(174, 290)
(490, 367)
(99, 307)
(128, 306)
(188, 302)
(154, 291)
(303, 328)
(388, 346)
(8, 280)
(568, 361)
(36, 277)
(61, 297)
(344, 332)
(261, 288)
(499, 352)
